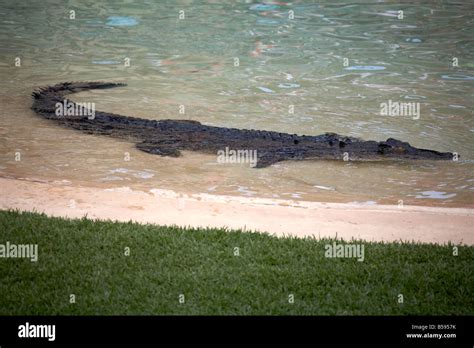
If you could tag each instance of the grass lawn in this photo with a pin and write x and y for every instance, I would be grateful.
(87, 258)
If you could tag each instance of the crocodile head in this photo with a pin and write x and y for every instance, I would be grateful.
(398, 149)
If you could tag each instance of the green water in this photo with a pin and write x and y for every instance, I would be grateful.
(283, 63)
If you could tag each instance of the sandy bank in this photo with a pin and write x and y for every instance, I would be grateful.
(278, 217)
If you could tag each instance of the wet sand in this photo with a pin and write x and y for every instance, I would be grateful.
(277, 217)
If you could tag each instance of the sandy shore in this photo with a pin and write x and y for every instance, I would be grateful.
(277, 217)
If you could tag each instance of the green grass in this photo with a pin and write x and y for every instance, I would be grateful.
(86, 258)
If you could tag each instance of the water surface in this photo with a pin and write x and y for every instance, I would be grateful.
(282, 62)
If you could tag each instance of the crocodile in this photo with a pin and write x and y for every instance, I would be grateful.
(168, 137)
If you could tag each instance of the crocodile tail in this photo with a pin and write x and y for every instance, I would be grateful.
(46, 98)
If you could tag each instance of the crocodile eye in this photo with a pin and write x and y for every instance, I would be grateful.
(296, 142)
(400, 150)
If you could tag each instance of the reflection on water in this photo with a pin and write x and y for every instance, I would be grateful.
(246, 64)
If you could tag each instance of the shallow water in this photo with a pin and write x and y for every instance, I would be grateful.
(282, 62)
